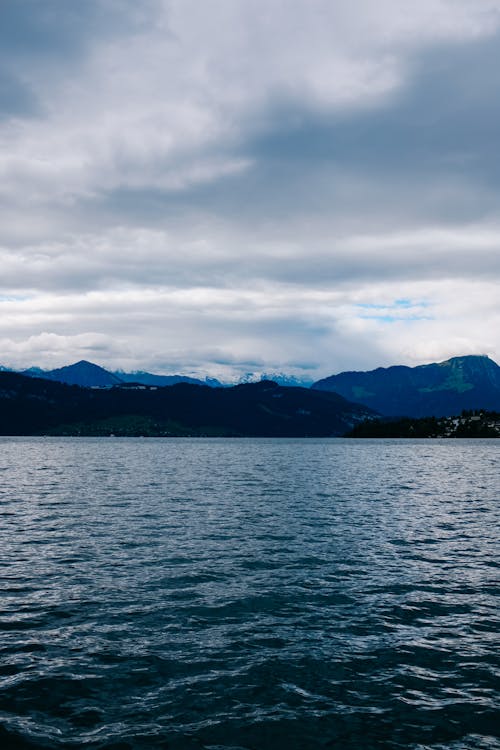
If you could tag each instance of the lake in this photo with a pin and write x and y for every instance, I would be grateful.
(249, 594)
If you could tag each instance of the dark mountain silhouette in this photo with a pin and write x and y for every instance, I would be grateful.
(438, 389)
(82, 373)
(30, 406)
(32, 372)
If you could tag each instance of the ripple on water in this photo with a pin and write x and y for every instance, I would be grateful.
(249, 594)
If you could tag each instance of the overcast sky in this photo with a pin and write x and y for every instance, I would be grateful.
(224, 186)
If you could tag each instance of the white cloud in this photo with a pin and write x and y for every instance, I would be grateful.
(141, 109)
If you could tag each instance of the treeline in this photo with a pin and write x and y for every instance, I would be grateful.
(470, 424)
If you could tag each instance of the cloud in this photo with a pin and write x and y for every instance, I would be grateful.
(296, 256)
(197, 186)
(140, 100)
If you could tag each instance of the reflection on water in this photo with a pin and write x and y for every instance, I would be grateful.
(249, 594)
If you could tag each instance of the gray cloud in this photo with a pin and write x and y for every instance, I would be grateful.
(16, 98)
(426, 155)
(58, 30)
(43, 41)
(209, 187)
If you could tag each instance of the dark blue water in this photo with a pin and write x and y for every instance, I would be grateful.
(249, 594)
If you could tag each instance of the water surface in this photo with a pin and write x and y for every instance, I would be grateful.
(258, 594)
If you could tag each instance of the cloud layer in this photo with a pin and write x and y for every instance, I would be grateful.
(235, 185)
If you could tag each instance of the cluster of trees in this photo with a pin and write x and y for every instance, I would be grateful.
(472, 423)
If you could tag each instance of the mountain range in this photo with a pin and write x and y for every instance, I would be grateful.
(90, 375)
(438, 389)
(36, 406)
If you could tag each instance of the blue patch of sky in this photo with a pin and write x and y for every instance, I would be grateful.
(375, 311)
(401, 303)
(396, 318)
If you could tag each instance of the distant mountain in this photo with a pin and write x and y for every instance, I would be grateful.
(31, 406)
(90, 375)
(437, 389)
(148, 378)
(82, 373)
(277, 377)
(34, 372)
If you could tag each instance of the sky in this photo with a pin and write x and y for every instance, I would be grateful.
(234, 186)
